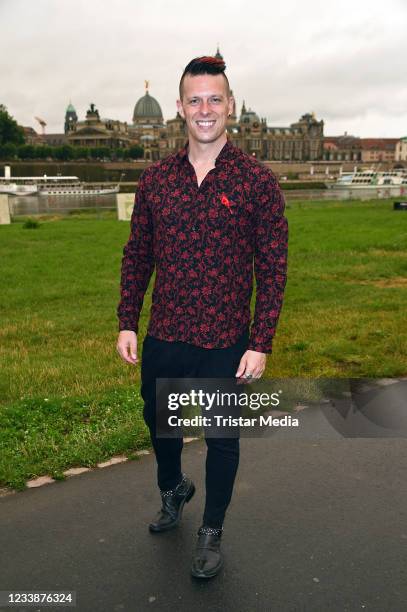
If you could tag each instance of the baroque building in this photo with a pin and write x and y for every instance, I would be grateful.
(96, 132)
(148, 128)
(300, 141)
(342, 148)
(365, 150)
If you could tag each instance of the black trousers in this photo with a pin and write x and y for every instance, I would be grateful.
(162, 359)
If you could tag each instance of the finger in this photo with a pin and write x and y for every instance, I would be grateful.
(124, 354)
(244, 380)
(255, 375)
(125, 357)
(242, 367)
(131, 351)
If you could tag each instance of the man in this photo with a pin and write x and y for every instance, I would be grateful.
(202, 217)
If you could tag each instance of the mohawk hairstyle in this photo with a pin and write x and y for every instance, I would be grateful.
(207, 64)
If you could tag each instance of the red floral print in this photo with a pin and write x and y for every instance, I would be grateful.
(204, 243)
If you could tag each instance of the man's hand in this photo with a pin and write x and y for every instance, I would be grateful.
(252, 363)
(127, 346)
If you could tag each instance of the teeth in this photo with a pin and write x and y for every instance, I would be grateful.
(205, 123)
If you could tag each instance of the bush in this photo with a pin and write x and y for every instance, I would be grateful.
(31, 224)
(305, 185)
(292, 176)
(8, 151)
(64, 153)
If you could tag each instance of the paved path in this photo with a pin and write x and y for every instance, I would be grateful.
(315, 525)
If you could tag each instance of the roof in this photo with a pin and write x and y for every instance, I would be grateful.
(345, 140)
(147, 107)
(378, 143)
(248, 116)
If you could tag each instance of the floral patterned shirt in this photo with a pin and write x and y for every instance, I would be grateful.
(205, 243)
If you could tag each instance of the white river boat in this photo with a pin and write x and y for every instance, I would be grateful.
(50, 186)
(368, 179)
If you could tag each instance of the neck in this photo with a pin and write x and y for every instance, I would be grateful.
(203, 153)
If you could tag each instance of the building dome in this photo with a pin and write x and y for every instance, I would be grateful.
(248, 116)
(147, 110)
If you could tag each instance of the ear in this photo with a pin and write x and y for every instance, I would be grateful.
(231, 103)
(180, 109)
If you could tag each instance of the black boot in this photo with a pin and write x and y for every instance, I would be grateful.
(172, 505)
(207, 559)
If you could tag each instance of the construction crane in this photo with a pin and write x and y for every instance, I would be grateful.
(42, 124)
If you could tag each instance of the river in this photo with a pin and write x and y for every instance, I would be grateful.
(34, 205)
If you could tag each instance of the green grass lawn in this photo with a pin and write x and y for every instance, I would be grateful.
(67, 399)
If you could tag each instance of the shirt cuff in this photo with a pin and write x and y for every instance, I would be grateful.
(259, 346)
(127, 325)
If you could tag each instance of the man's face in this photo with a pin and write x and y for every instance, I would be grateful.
(205, 106)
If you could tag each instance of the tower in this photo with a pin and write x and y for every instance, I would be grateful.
(71, 119)
(218, 53)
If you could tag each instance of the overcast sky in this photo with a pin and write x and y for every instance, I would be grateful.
(342, 59)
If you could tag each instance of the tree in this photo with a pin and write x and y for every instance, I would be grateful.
(27, 152)
(10, 131)
(100, 152)
(8, 151)
(136, 151)
(43, 151)
(64, 152)
(81, 152)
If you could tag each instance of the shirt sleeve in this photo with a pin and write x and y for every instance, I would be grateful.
(137, 262)
(270, 261)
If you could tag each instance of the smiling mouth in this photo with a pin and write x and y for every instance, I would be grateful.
(206, 124)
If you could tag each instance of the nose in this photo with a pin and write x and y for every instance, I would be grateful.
(205, 110)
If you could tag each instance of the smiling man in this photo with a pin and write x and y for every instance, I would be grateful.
(204, 217)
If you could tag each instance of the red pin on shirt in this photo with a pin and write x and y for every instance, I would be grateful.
(227, 203)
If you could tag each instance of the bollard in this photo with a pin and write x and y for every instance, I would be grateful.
(4, 210)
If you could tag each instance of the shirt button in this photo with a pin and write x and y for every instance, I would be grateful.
(193, 228)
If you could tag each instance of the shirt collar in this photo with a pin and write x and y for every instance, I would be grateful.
(225, 154)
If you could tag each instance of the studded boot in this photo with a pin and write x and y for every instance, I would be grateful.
(207, 559)
(173, 502)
